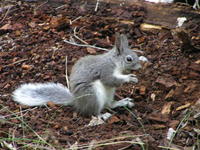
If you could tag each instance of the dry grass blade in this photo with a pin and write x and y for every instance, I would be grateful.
(66, 72)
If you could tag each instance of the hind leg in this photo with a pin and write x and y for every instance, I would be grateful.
(124, 102)
(86, 102)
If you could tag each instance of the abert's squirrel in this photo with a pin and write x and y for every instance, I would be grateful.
(93, 81)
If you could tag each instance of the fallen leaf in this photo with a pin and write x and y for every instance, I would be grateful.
(113, 119)
(190, 88)
(127, 22)
(146, 27)
(142, 90)
(170, 94)
(157, 117)
(26, 67)
(174, 123)
(59, 23)
(17, 33)
(183, 106)
(167, 108)
(32, 24)
(17, 26)
(196, 109)
(166, 81)
(91, 50)
(65, 128)
(46, 27)
(57, 126)
(195, 67)
(158, 126)
(7, 86)
(141, 40)
(193, 74)
(51, 104)
(95, 121)
(197, 62)
(6, 27)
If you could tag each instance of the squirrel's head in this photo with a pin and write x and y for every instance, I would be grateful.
(126, 58)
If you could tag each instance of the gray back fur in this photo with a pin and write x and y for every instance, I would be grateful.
(99, 67)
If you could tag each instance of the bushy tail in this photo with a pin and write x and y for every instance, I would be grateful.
(36, 94)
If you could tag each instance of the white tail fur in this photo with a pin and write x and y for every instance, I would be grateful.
(36, 94)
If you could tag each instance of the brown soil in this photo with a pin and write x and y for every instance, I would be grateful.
(32, 50)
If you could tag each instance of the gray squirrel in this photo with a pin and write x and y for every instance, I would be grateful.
(93, 81)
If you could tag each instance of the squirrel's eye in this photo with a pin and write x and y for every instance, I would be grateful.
(129, 59)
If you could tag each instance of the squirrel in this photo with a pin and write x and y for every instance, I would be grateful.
(93, 81)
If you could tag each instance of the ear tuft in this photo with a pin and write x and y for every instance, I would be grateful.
(124, 40)
(121, 43)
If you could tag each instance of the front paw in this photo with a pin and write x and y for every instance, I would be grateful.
(132, 78)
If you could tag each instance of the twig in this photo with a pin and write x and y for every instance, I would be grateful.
(37, 146)
(78, 37)
(196, 4)
(85, 45)
(97, 4)
(66, 76)
(137, 118)
(76, 19)
(16, 62)
(41, 5)
(183, 121)
(5, 15)
(26, 125)
(61, 6)
(18, 112)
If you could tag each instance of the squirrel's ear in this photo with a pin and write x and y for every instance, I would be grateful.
(121, 43)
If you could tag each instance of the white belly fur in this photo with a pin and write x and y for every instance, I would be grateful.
(103, 93)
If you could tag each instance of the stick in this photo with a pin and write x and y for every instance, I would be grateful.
(97, 4)
(66, 76)
(5, 15)
(78, 37)
(85, 45)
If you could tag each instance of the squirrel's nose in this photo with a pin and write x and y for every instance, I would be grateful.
(137, 66)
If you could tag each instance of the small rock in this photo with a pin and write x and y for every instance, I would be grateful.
(143, 59)
(57, 126)
(65, 128)
(170, 133)
(153, 97)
